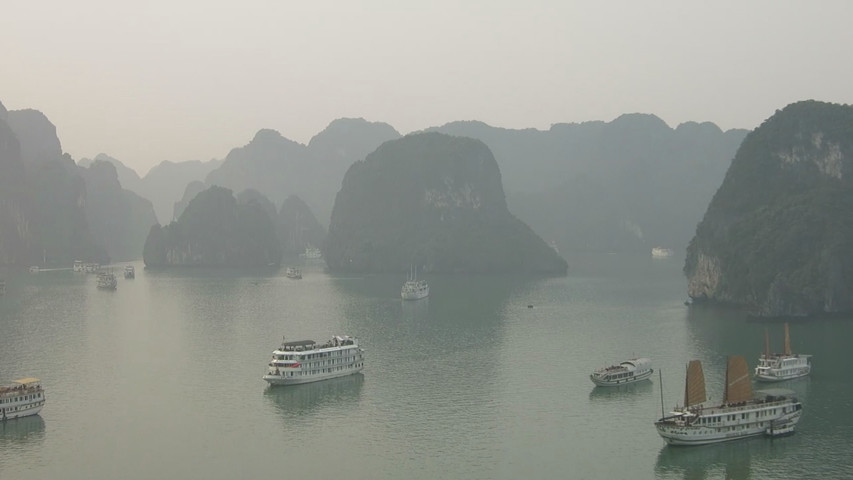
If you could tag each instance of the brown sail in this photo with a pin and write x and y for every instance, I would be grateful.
(738, 384)
(694, 386)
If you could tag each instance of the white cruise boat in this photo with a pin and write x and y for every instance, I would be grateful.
(775, 367)
(414, 289)
(305, 361)
(771, 412)
(129, 272)
(21, 398)
(107, 281)
(629, 371)
(78, 266)
(293, 272)
(661, 252)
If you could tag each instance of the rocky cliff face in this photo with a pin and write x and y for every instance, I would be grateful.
(435, 201)
(775, 238)
(15, 233)
(43, 196)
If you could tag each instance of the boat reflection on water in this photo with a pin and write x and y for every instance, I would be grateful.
(21, 431)
(415, 311)
(738, 459)
(295, 400)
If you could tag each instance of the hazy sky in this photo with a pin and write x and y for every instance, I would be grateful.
(155, 80)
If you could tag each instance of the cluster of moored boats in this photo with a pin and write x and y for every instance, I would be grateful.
(742, 413)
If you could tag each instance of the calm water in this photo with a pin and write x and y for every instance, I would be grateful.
(161, 379)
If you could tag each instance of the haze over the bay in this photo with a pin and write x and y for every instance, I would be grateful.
(161, 80)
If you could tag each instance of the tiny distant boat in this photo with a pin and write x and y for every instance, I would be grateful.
(661, 252)
(414, 289)
(78, 266)
(91, 267)
(21, 398)
(305, 361)
(107, 281)
(776, 367)
(34, 269)
(293, 272)
(629, 371)
(772, 412)
(129, 272)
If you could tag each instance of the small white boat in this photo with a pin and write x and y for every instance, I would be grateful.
(305, 361)
(34, 269)
(21, 398)
(78, 266)
(772, 412)
(661, 252)
(129, 272)
(629, 371)
(414, 289)
(107, 281)
(776, 367)
(293, 272)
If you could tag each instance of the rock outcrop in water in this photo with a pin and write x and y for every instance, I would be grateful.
(435, 201)
(215, 230)
(776, 237)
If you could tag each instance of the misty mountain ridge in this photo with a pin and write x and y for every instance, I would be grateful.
(591, 185)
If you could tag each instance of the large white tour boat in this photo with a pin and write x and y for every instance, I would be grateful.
(771, 412)
(21, 398)
(629, 371)
(304, 361)
(414, 289)
(775, 367)
(661, 252)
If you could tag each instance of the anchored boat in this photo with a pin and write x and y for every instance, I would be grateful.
(414, 289)
(772, 412)
(776, 367)
(21, 398)
(629, 371)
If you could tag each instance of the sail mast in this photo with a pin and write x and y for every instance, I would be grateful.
(766, 343)
(787, 340)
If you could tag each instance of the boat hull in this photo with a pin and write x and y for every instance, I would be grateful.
(26, 412)
(280, 380)
(414, 295)
(771, 377)
(692, 435)
(622, 381)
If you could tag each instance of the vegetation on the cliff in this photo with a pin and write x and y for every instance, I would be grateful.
(432, 200)
(776, 237)
(215, 230)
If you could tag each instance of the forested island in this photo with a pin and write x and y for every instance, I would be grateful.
(435, 201)
(776, 237)
(215, 230)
